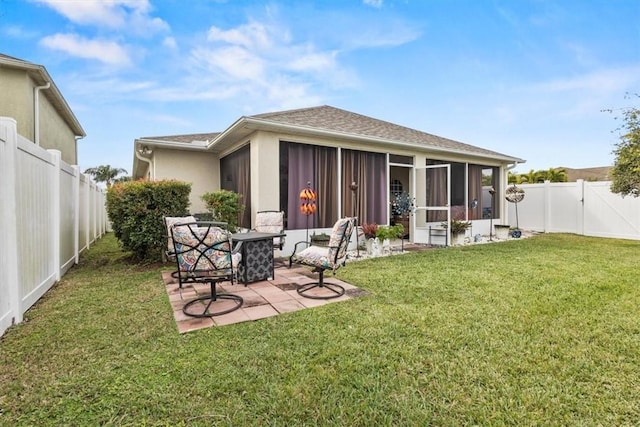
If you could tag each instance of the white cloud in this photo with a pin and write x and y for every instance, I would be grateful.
(132, 15)
(374, 3)
(170, 43)
(606, 80)
(253, 35)
(105, 51)
(18, 32)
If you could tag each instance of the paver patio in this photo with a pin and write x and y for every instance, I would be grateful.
(261, 299)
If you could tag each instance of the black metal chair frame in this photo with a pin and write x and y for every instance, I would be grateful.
(170, 254)
(201, 251)
(335, 289)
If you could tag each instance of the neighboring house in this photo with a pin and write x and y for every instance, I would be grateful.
(30, 96)
(269, 158)
(602, 173)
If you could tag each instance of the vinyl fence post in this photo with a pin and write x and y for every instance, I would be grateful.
(580, 219)
(10, 308)
(56, 216)
(76, 213)
(547, 206)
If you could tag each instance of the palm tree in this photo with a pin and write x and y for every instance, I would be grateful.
(531, 177)
(556, 175)
(104, 173)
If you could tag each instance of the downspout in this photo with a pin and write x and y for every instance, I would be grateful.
(77, 138)
(36, 112)
(146, 160)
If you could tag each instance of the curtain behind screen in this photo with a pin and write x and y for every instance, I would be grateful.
(369, 171)
(235, 175)
(317, 165)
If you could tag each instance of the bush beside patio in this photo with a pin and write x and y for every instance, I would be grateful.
(544, 330)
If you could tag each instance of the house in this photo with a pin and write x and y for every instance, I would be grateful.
(358, 165)
(602, 173)
(30, 96)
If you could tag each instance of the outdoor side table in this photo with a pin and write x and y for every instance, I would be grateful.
(257, 256)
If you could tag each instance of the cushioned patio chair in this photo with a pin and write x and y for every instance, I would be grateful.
(203, 255)
(271, 222)
(170, 221)
(323, 258)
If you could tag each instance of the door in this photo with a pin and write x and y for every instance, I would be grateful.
(432, 192)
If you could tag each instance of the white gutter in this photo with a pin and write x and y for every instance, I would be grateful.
(146, 160)
(36, 112)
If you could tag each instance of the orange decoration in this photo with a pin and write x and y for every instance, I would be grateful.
(307, 200)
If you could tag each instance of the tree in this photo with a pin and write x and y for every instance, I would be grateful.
(105, 173)
(625, 175)
(556, 175)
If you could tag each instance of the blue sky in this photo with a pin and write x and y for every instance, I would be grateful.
(524, 78)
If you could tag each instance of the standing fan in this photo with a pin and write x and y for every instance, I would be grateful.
(515, 194)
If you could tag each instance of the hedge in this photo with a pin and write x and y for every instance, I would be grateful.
(136, 210)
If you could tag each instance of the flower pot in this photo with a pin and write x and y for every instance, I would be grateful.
(502, 231)
(373, 246)
(458, 238)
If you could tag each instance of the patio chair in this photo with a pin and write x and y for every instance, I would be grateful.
(203, 255)
(271, 222)
(323, 258)
(170, 221)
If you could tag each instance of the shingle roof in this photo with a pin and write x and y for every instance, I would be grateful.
(337, 120)
(184, 138)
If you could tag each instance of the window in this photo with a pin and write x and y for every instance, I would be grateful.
(235, 175)
(480, 179)
(303, 163)
(396, 187)
(369, 171)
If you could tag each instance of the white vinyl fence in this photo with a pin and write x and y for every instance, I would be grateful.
(50, 213)
(586, 208)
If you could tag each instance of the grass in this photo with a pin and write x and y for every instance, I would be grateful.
(541, 331)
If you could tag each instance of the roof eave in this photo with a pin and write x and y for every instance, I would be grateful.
(267, 125)
(40, 74)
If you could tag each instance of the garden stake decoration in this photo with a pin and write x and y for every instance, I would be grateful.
(354, 190)
(515, 194)
(308, 203)
(492, 191)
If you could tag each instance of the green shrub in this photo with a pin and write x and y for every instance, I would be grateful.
(136, 210)
(390, 232)
(224, 206)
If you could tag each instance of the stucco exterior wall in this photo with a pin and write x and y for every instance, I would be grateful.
(265, 172)
(201, 169)
(17, 101)
(55, 133)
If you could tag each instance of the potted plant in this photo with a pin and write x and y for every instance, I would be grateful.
(320, 239)
(402, 206)
(386, 233)
(370, 230)
(458, 230)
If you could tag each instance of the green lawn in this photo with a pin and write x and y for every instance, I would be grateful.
(540, 331)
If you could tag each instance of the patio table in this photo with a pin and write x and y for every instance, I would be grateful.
(257, 255)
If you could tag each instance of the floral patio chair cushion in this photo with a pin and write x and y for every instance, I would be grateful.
(204, 249)
(170, 221)
(333, 256)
